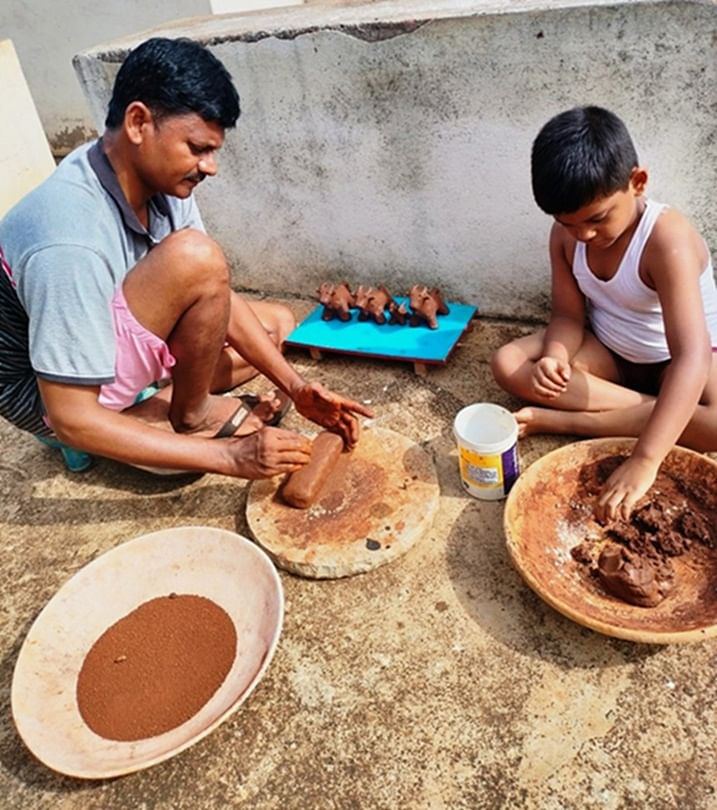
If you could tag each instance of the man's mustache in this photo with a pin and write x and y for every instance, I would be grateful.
(196, 178)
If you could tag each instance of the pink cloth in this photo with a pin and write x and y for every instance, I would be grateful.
(141, 358)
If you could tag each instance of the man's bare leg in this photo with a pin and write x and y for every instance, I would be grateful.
(188, 274)
(155, 411)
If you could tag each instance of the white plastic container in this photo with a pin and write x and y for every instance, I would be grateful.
(487, 437)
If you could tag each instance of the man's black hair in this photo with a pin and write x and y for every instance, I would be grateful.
(579, 156)
(174, 77)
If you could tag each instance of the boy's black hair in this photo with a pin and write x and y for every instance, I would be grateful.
(174, 77)
(579, 156)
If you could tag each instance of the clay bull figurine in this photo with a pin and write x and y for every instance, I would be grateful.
(399, 313)
(425, 305)
(373, 302)
(337, 300)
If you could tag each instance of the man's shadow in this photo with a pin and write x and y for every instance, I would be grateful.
(39, 491)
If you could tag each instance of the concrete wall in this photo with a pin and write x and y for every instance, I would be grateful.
(390, 141)
(240, 6)
(25, 157)
(48, 33)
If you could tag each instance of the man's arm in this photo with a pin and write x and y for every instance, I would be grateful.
(81, 422)
(248, 337)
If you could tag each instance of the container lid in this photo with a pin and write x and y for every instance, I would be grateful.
(486, 428)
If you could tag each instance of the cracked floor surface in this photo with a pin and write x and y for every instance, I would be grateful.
(437, 681)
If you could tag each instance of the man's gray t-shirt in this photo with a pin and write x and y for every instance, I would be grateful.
(65, 248)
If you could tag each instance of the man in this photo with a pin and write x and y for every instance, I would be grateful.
(110, 284)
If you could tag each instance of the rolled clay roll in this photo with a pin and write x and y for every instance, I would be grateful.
(302, 488)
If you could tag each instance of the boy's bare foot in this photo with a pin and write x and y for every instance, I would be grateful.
(539, 420)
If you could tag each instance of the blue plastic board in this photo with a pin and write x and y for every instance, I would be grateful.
(413, 343)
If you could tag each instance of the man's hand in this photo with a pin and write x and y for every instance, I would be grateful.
(268, 452)
(624, 488)
(330, 410)
(550, 377)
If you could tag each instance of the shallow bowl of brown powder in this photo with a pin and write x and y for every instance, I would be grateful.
(146, 650)
(555, 542)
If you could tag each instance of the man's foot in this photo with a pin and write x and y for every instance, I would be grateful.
(254, 413)
(224, 416)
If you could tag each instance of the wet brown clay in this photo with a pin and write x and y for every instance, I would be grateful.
(156, 668)
(633, 578)
(635, 563)
(304, 486)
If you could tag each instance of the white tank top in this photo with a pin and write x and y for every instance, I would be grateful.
(625, 314)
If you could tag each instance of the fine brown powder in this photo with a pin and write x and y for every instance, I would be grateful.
(155, 668)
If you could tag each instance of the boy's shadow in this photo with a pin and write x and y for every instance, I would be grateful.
(495, 596)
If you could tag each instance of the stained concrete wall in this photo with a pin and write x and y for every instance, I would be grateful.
(240, 6)
(25, 157)
(48, 33)
(390, 141)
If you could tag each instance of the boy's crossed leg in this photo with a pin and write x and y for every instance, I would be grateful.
(595, 402)
(594, 383)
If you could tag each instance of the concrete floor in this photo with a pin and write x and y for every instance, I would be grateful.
(437, 681)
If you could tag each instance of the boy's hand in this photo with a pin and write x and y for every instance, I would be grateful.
(551, 377)
(624, 488)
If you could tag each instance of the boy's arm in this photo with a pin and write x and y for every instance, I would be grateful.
(565, 331)
(676, 260)
(81, 422)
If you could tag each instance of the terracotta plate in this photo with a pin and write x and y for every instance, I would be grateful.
(380, 500)
(217, 564)
(542, 525)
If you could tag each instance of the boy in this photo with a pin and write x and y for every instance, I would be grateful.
(629, 348)
(109, 283)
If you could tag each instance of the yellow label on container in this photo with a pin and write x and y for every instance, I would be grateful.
(481, 471)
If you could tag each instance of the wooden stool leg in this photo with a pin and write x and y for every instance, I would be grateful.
(421, 369)
(315, 354)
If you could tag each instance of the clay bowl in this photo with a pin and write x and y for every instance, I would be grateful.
(217, 564)
(541, 526)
